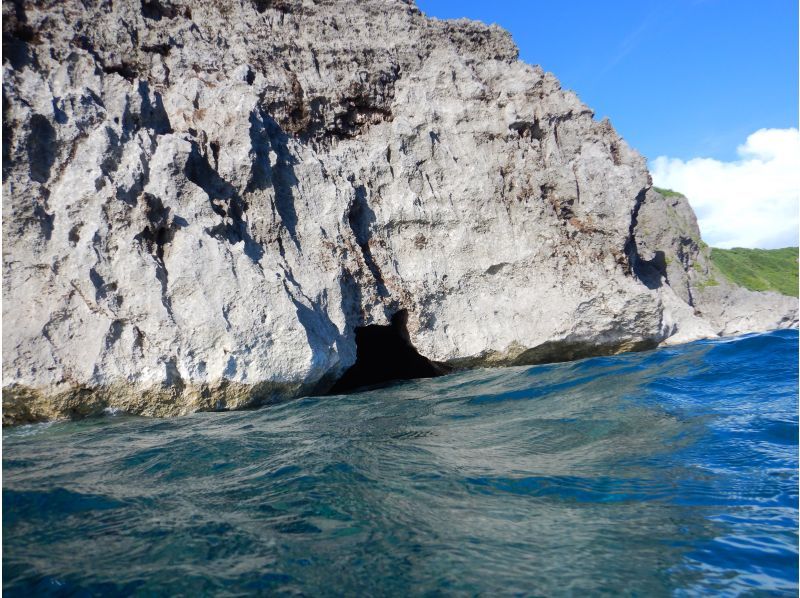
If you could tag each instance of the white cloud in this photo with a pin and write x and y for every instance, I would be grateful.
(750, 202)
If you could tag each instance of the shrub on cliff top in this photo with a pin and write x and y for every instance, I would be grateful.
(667, 192)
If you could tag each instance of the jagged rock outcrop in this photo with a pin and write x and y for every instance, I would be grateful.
(672, 255)
(204, 200)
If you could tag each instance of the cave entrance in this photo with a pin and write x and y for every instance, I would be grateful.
(385, 354)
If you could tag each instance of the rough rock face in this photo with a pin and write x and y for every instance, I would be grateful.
(202, 202)
(671, 255)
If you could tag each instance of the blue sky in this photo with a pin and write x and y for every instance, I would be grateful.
(682, 78)
(707, 90)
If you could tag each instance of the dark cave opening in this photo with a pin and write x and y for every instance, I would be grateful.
(385, 354)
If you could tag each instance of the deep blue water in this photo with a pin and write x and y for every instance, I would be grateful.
(671, 472)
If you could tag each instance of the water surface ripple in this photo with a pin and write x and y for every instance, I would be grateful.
(671, 472)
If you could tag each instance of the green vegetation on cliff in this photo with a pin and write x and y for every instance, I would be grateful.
(667, 192)
(759, 269)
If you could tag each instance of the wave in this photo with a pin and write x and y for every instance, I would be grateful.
(673, 471)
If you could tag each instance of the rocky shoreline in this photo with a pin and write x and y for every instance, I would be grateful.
(205, 202)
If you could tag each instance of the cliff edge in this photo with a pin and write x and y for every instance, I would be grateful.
(204, 202)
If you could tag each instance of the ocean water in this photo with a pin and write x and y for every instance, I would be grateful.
(671, 472)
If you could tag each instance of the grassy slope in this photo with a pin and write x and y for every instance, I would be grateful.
(759, 269)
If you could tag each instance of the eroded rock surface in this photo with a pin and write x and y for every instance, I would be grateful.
(673, 258)
(203, 200)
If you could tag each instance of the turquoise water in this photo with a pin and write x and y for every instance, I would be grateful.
(672, 472)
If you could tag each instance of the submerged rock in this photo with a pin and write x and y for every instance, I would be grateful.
(204, 202)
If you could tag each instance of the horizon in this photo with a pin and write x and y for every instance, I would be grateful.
(718, 124)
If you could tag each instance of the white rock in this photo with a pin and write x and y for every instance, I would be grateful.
(203, 200)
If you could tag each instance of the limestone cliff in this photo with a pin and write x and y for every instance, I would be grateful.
(203, 201)
(671, 254)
